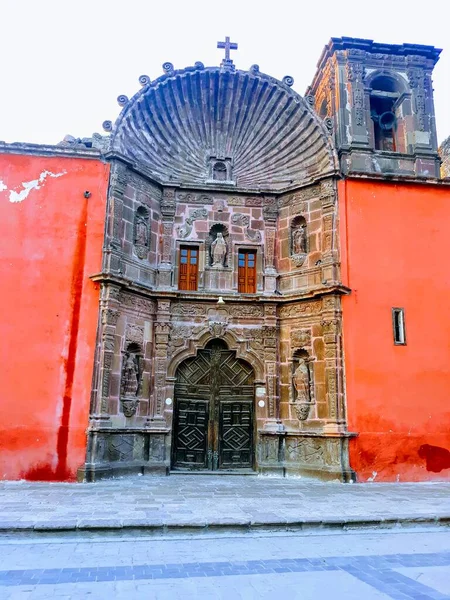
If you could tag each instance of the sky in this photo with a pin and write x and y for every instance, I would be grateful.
(64, 63)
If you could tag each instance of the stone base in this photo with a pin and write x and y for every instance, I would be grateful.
(272, 470)
(90, 473)
(321, 474)
(115, 452)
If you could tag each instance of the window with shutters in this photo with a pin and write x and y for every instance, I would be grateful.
(247, 271)
(188, 268)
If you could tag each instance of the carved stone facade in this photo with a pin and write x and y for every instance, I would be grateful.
(288, 332)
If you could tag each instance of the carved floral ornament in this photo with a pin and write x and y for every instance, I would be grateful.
(185, 230)
(300, 338)
(137, 303)
(218, 328)
(301, 309)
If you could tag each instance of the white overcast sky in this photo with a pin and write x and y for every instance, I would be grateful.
(65, 62)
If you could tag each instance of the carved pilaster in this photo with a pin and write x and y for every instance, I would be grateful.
(118, 183)
(165, 268)
(162, 336)
(270, 210)
(270, 214)
(331, 328)
(109, 306)
(271, 386)
(357, 96)
(422, 106)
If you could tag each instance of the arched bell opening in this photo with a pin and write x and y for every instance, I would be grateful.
(214, 412)
(387, 93)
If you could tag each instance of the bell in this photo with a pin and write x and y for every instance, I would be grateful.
(387, 120)
(220, 300)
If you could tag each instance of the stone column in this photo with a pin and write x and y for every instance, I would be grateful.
(357, 96)
(166, 267)
(329, 231)
(270, 215)
(162, 330)
(331, 327)
(112, 262)
(109, 310)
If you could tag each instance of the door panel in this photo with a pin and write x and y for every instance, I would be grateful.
(247, 272)
(188, 268)
(192, 430)
(235, 440)
(213, 424)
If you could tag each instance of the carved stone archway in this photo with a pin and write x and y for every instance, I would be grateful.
(240, 347)
(214, 411)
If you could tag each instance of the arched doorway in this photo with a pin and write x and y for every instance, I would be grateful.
(213, 420)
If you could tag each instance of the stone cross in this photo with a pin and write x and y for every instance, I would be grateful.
(227, 62)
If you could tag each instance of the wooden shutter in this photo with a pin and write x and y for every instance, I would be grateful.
(188, 268)
(247, 271)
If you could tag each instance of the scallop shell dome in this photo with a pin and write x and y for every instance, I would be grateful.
(270, 135)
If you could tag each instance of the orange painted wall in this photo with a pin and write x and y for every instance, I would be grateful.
(395, 248)
(51, 241)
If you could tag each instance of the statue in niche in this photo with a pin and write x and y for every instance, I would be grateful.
(218, 251)
(141, 233)
(141, 237)
(299, 240)
(130, 376)
(301, 381)
(302, 387)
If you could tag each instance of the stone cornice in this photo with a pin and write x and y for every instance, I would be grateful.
(50, 150)
(212, 296)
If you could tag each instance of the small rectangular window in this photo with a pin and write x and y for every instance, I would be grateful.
(398, 326)
(188, 268)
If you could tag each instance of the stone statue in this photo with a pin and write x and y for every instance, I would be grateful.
(300, 380)
(299, 240)
(141, 232)
(130, 372)
(218, 251)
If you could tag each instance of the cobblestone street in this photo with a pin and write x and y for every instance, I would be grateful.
(366, 565)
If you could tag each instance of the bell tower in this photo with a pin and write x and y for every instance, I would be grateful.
(378, 99)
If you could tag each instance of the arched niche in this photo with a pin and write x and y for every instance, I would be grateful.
(299, 240)
(302, 384)
(218, 246)
(131, 378)
(141, 233)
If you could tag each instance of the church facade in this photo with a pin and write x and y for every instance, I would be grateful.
(252, 294)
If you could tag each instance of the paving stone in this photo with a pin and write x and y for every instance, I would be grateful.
(199, 501)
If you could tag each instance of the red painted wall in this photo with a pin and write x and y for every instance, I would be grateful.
(51, 239)
(395, 244)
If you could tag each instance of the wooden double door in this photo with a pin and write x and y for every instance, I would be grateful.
(213, 420)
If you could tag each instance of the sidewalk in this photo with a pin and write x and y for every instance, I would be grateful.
(207, 502)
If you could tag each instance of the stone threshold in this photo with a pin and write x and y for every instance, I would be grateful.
(152, 527)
